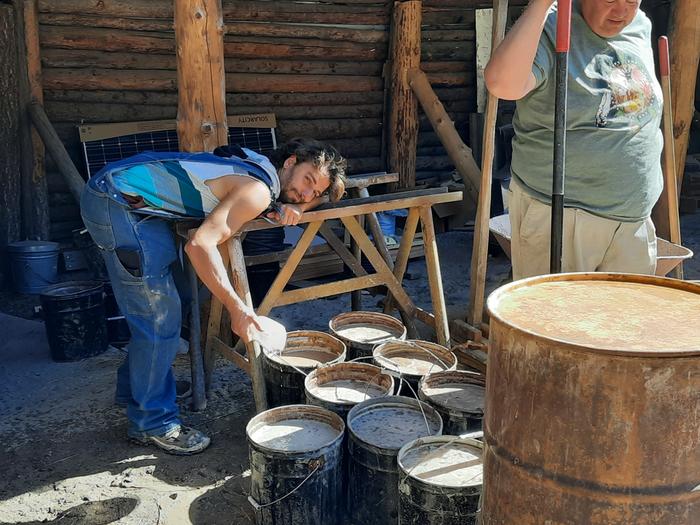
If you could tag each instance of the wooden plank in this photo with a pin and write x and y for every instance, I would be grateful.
(230, 354)
(354, 209)
(481, 230)
(370, 179)
(288, 269)
(253, 350)
(340, 248)
(329, 289)
(432, 261)
(403, 255)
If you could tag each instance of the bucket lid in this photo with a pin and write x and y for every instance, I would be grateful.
(391, 422)
(71, 289)
(444, 461)
(295, 428)
(624, 314)
(32, 246)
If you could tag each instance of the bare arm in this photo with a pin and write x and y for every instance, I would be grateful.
(508, 74)
(291, 213)
(244, 203)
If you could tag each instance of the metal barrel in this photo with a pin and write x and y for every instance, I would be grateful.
(341, 386)
(295, 466)
(362, 331)
(377, 429)
(458, 396)
(285, 372)
(440, 481)
(412, 360)
(593, 396)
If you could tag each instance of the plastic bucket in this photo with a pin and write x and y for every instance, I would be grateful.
(74, 313)
(33, 265)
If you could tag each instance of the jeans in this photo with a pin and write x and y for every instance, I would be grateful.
(138, 251)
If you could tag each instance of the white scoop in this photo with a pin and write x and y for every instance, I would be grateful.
(273, 336)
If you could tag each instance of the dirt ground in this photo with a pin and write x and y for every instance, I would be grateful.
(65, 455)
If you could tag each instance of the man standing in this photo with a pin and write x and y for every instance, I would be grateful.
(614, 141)
(123, 208)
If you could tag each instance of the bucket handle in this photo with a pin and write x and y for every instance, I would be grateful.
(259, 506)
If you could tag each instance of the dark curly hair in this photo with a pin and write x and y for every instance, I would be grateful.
(322, 156)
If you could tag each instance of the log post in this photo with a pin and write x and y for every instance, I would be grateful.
(201, 80)
(401, 128)
(35, 198)
(10, 179)
(460, 154)
(685, 54)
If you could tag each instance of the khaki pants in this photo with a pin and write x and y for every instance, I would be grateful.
(590, 243)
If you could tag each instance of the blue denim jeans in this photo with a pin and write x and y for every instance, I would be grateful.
(148, 299)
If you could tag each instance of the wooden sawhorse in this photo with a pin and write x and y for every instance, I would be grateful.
(347, 211)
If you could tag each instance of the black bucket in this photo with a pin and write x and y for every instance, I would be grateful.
(440, 483)
(377, 429)
(458, 396)
(285, 372)
(74, 313)
(295, 465)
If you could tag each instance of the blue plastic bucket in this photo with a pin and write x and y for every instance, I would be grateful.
(33, 265)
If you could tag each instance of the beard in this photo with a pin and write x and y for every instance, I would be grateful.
(290, 196)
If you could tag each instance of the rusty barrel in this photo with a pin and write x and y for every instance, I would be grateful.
(458, 396)
(341, 386)
(593, 402)
(440, 481)
(412, 359)
(285, 372)
(362, 331)
(296, 466)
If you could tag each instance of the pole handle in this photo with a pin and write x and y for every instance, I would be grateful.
(563, 26)
(664, 57)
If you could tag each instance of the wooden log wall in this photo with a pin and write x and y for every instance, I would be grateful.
(317, 65)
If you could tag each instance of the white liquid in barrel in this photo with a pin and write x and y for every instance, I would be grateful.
(463, 397)
(366, 333)
(413, 364)
(304, 357)
(392, 427)
(294, 435)
(453, 465)
(348, 391)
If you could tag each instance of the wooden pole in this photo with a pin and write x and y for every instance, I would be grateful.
(10, 179)
(35, 198)
(201, 112)
(481, 230)
(685, 55)
(402, 126)
(666, 218)
(460, 154)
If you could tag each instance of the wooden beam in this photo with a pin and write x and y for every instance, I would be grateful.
(432, 261)
(402, 125)
(481, 231)
(201, 78)
(460, 154)
(35, 200)
(57, 151)
(685, 54)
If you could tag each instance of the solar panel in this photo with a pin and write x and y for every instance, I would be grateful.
(104, 143)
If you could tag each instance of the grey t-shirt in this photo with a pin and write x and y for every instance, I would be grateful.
(614, 139)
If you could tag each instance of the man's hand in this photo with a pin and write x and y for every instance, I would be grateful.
(244, 323)
(288, 215)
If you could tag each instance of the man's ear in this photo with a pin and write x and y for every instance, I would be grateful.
(291, 161)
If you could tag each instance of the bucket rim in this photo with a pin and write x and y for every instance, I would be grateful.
(463, 377)
(497, 295)
(389, 320)
(396, 402)
(88, 287)
(313, 376)
(271, 358)
(443, 352)
(443, 440)
(32, 246)
(321, 414)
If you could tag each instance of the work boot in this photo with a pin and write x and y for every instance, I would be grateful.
(181, 441)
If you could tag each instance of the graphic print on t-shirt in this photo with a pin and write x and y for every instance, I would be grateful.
(628, 97)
